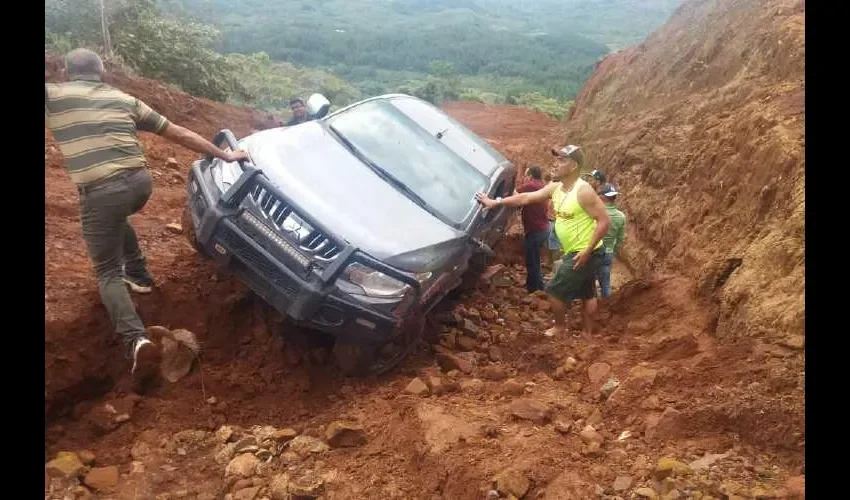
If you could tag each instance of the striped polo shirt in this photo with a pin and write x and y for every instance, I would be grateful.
(95, 125)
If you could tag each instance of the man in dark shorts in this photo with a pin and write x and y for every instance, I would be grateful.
(536, 228)
(581, 222)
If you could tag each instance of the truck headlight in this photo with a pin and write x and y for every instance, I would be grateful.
(363, 280)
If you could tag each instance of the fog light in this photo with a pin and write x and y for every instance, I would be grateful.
(330, 316)
(365, 322)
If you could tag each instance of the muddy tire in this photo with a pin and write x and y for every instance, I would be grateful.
(353, 358)
(189, 231)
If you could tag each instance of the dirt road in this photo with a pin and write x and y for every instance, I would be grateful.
(522, 408)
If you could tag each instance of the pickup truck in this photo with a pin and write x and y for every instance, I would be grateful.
(355, 224)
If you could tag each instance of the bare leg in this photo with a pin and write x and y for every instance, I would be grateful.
(589, 310)
(559, 310)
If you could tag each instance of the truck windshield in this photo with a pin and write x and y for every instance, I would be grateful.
(407, 152)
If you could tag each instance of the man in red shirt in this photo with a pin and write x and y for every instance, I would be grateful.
(535, 223)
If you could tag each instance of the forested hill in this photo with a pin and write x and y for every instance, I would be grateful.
(544, 45)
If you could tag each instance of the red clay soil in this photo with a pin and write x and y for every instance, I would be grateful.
(688, 386)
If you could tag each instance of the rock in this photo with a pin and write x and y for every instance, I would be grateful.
(562, 371)
(668, 425)
(622, 483)
(172, 162)
(474, 385)
(610, 386)
(597, 372)
(177, 359)
(86, 457)
(66, 465)
(563, 426)
(494, 372)
(796, 486)
(529, 409)
(589, 435)
(279, 487)
(284, 435)
(448, 340)
(513, 388)
(263, 454)
(174, 228)
(243, 466)
(309, 485)
(667, 467)
(641, 378)
(467, 343)
(450, 362)
(707, 460)
(80, 492)
(651, 403)
(246, 444)
(417, 387)
(592, 450)
(494, 353)
(226, 434)
(646, 493)
(595, 418)
(342, 434)
(436, 385)
(306, 445)
(469, 328)
(511, 482)
(212, 400)
(247, 493)
(492, 272)
(797, 342)
(102, 478)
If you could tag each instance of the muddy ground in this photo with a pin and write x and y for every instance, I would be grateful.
(688, 393)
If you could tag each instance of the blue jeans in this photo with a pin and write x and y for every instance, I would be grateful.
(604, 275)
(533, 244)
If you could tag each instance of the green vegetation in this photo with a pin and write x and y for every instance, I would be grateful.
(182, 53)
(534, 53)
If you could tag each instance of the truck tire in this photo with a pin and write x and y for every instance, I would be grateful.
(189, 231)
(354, 358)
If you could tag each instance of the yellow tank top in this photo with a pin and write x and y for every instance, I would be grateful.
(573, 226)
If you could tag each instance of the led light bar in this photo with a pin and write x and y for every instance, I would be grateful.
(274, 238)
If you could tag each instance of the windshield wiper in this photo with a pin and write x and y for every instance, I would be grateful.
(383, 173)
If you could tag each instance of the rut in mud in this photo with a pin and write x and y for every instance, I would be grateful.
(686, 365)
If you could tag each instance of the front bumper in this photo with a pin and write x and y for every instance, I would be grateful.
(295, 283)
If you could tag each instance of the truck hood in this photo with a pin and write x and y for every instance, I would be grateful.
(307, 163)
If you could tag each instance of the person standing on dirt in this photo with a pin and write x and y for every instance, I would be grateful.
(299, 113)
(581, 222)
(96, 128)
(613, 239)
(536, 228)
(596, 179)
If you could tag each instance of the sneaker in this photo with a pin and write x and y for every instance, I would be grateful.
(139, 284)
(146, 357)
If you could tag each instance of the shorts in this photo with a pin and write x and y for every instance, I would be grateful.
(568, 285)
(553, 242)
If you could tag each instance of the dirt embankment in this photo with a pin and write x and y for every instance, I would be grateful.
(702, 126)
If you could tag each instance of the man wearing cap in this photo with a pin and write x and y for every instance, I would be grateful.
(596, 179)
(581, 222)
(613, 239)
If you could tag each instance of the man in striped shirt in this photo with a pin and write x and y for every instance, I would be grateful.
(95, 126)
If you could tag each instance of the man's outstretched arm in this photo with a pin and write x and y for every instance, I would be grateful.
(198, 144)
(520, 199)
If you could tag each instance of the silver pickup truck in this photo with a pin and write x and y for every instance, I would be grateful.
(355, 223)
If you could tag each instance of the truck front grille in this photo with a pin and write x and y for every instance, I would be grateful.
(293, 227)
